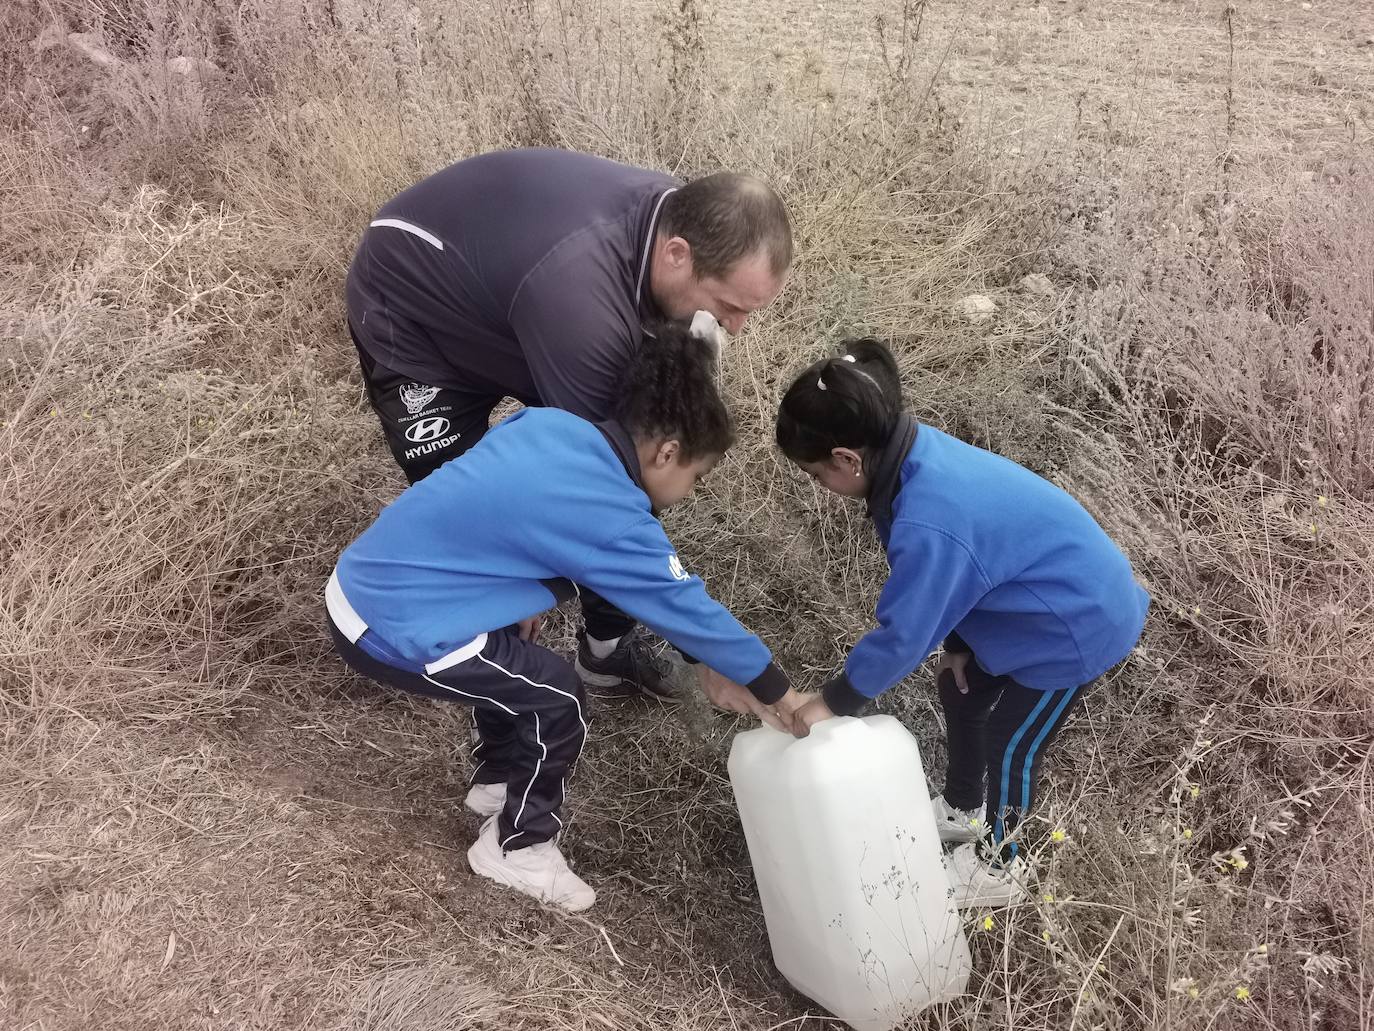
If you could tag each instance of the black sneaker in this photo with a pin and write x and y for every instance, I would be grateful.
(633, 668)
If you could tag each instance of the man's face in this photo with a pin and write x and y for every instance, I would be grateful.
(748, 286)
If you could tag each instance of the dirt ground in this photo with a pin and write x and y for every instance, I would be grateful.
(311, 851)
(1152, 72)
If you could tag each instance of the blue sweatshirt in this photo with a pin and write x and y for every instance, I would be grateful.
(544, 501)
(998, 560)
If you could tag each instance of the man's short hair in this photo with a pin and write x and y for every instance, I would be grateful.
(726, 217)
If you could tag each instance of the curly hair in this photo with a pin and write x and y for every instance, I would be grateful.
(668, 391)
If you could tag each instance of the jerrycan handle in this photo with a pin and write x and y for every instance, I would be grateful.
(837, 728)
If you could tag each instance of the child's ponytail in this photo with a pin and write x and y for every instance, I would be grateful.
(850, 401)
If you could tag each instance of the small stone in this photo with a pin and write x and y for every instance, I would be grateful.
(1306, 7)
(975, 307)
(1037, 283)
(192, 66)
(89, 44)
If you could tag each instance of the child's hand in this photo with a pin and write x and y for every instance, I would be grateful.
(529, 628)
(811, 711)
(791, 701)
(724, 693)
(955, 662)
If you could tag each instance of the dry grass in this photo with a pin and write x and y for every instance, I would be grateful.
(204, 822)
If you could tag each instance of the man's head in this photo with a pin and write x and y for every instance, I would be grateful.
(724, 245)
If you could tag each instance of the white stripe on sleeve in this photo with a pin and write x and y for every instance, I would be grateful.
(411, 228)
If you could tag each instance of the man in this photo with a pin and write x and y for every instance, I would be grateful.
(530, 274)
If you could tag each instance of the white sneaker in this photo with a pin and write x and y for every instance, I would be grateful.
(539, 871)
(486, 799)
(957, 825)
(978, 884)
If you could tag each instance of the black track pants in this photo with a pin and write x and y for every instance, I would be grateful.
(997, 735)
(530, 714)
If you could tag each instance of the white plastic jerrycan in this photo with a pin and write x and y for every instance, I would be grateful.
(847, 860)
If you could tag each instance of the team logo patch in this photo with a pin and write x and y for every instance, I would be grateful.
(415, 396)
(427, 429)
(675, 567)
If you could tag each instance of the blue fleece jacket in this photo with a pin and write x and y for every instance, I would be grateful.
(1001, 561)
(544, 501)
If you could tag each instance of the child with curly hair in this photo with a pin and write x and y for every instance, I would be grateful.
(442, 595)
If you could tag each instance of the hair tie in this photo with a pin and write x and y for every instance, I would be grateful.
(848, 358)
(820, 381)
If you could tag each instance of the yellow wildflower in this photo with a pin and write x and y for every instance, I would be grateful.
(1048, 897)
(1312, 528)
(1058, 836)
(987, 923)
(1188, 833)
(1242, 992)
(1194, 791)
(1193, 991)
(1046, 936)
(1321, 501)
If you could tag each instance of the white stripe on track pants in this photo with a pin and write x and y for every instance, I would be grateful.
(529, 709)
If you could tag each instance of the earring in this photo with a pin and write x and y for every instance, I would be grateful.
(858, 472)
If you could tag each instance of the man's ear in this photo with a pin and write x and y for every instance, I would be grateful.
(667, 453)
(678, 253)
